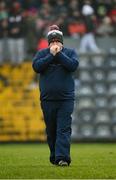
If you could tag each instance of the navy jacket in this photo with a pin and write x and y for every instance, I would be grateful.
(56, 80)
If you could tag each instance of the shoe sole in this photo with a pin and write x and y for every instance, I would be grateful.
(63, 164)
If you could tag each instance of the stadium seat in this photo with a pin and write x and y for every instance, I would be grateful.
(84, 62)
(102, 116)
(87, 130)
(98, 61)
(99, 75)
(86, 115)
(100, 88)
(84, 75)
(103, 131)
(101, 102)
(86, 90)
(85, 103)
(112, 89)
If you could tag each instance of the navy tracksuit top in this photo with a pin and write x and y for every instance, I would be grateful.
(56, 80)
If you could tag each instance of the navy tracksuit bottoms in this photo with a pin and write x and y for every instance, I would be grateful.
(57, 116)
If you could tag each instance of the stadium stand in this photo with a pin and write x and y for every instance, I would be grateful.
(20, 115)
(94, 117)
(95, 108)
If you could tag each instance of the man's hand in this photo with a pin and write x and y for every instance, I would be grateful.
(55, 49)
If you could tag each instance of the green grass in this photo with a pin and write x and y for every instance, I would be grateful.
(89, 161)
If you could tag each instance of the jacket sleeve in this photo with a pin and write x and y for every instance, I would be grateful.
(41, 61)
(70, 63)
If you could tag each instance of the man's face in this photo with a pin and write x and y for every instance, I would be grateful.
(56, 43)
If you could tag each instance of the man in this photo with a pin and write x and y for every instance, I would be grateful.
(55, 65)
(88, 42)
(16, 33)
(3, 32)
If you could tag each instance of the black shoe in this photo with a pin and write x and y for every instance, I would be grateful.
(52, 160)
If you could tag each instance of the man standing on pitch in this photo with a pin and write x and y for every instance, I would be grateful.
(56, 65)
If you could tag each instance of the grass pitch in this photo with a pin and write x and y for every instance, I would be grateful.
(30, 161)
